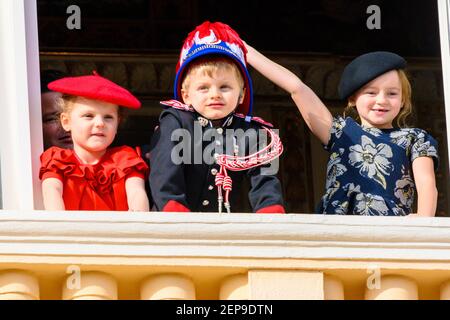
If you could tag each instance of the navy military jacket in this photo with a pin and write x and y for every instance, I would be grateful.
(183, 169)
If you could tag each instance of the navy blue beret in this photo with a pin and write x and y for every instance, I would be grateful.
(365, 68)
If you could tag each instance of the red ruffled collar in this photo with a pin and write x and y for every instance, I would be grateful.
(114, 165)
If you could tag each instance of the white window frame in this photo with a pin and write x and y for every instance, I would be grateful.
(20, 118)
(444, 31)
(20, 101)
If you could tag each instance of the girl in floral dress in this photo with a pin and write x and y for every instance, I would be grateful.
(376, 165)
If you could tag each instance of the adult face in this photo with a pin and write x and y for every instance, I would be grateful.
(53, 132)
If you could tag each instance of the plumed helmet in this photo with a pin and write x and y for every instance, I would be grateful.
(215, 38)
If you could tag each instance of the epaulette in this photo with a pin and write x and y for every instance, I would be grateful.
(177, 105)
(256, 119)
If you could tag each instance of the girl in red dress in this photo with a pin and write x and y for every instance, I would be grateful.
(91, 176)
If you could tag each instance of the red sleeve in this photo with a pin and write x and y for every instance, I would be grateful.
(49, 174)
(52, 165)
(272, 209)
(125, 162)
(174, 206)
(136, 174)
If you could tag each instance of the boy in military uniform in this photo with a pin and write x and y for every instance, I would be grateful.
(207, 140)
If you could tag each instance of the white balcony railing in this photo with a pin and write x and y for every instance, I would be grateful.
(212, 256)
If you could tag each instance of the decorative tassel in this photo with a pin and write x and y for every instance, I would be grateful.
(235, 163)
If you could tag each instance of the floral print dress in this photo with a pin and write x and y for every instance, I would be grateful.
(370, 170)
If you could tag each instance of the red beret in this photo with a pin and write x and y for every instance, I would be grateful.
(97, 88)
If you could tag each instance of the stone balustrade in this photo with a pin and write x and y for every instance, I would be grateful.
(97, 256)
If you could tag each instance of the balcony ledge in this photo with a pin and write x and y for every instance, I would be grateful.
(212, 235)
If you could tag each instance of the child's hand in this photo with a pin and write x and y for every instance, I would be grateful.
(413, 215)
(249, 50)
(418, 215)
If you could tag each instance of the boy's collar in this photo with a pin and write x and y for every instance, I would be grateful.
(223, 123)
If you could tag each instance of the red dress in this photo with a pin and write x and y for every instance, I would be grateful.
(93, 187)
